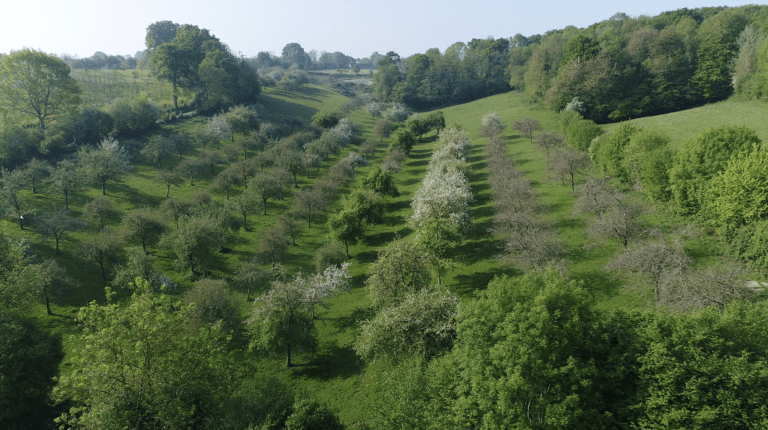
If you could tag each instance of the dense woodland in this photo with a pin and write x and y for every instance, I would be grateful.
(449, 240)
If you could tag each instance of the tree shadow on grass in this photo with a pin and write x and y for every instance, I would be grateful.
(330, 363)
(600, 283)
(466, 285)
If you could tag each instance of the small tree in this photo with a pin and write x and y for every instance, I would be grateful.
(190, 168)
(491, 125)
(98, 209)
(283, 324)
(289, 225)
(309, 201)
(272, 244)
(383, 129)
(35, 170)
(193, 242)
(53, 280)
(212, 304)
(108, 162)
(11, 182)
(101, 247)
(265, 186)
(346, 227)
(249, 276)
(527, 127)
(245, 204)
(402, 139)
(226, 179)
(66, 178)
(144, 226)
(157, 149)
(567, 163)
(55, 224)
(330, 254)
(548, 142)
(168, 178)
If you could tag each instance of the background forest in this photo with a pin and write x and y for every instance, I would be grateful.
(462, 239)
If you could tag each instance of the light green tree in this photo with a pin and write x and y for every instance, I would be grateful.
(36, 84)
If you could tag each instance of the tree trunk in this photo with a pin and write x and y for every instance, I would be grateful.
(288, 356)
(103, 273)
(168, 191)
(66, 200)
(104, 187)
(265, 206)
(48, 305)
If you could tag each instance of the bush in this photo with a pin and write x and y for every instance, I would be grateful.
(133, 115)
(608, 151)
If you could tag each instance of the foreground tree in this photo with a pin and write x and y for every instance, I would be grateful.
(283, 323)
(402, 267)
(142, 367)
(36, 84)
(423, 324)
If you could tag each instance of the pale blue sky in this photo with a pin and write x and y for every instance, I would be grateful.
(356, 28)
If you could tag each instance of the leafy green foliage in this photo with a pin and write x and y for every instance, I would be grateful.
(701, 159)
(141, 366)
(608, 151)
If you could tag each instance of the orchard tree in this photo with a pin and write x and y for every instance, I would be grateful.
(402, 139)
(193, 242)
(322, 286)
(289, 225)
(157, 148)
(107, 162)
(265, 186)
(55, 224)
(35, 170)
(491, 125)
(66, 178)
(423, 325)
(102, 247)
(402, 267)
(283, 323)
(11, 182)
(189, 167)
(250, 276)
(245, 204)
(52, 280)
(309, 201)
(171, 177)
(527, 127)
(346, 226)
(272, 244)
(548, 142)
(383, 129)
(36, 84)
(98, 209)
(143, 225)
(567, 163)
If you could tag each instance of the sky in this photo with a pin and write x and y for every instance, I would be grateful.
(357, 28)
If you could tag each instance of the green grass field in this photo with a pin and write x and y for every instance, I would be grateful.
(334, 374)
(688, 124)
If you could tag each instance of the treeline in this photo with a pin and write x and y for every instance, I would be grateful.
(616, 69)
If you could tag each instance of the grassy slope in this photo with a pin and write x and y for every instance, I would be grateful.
(688, 124)
(334, 374)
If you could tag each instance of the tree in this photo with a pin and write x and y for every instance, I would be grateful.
(321, 286)
(35, 170)
(10, 187)
(346, 227)
(383, 129)
(98, 208)
(401, 267)
(157, 148)
(527, 126)
(402, 139)
(139, 264)
(309, 201)
(548, 142)
(193, 241)
(190, 167)
(423, 324)
(151, 370)
(289, 225)
(491, 125)
(101, 247)
(181, 143)
(282, 324)
(55, 224)
(66, 178)
(265, 186)
(36, 84)
(249, 276)
(171, 177)
(272, 244)
(701, 159)
(159, 33)
(107, 162)
(737, 195)
(567, 163)
(53, 281)
(212, 304)
(330, 254)
(245, 204)
(381, 182)
(292, 161)
(144, 226)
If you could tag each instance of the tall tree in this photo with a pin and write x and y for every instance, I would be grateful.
(36, 84)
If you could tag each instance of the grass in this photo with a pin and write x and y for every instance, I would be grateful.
(334, 374)
(688, 124)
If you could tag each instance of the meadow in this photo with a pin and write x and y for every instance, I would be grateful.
(334, 373)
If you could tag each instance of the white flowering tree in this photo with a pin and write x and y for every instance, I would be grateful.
(491, 125)
(322, 286)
